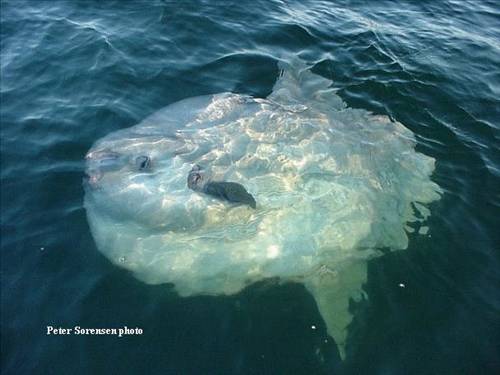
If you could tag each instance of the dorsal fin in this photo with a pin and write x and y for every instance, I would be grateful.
(298, 85)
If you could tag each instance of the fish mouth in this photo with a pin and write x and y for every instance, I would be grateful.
(98, 163)
(92, 177)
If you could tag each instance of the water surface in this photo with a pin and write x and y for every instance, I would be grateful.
(74, 71)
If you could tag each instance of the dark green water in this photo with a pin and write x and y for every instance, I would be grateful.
(74, 71)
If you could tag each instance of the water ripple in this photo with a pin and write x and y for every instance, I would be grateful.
(74, 71)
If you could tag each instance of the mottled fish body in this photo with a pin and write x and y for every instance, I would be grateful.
(333, 184)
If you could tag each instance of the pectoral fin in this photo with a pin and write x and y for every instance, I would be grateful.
(230, 191)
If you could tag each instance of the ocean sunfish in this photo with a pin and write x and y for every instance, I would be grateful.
(334, 186)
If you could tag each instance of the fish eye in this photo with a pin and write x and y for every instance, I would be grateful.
(143, 162)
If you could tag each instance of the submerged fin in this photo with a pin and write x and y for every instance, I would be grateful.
(332, 290)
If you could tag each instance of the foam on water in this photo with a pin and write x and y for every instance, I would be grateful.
(332, 184)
